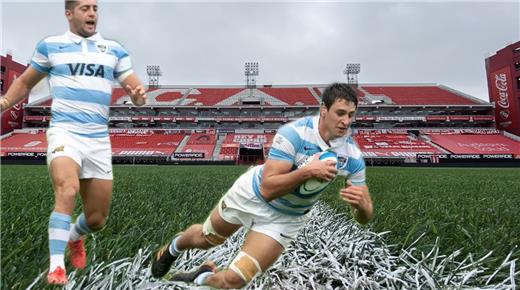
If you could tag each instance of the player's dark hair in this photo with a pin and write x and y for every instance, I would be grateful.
(70, 4)
(338, 91)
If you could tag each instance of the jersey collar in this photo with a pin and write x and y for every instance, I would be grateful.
(77, 39)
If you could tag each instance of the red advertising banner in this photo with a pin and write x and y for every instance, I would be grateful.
(507, 113)
(483, 118)
(436, 118)
(12, 118)
(459, 118)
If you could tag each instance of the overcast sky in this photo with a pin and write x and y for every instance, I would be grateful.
(207, 43)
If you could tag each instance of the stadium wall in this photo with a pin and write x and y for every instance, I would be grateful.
(503, 76)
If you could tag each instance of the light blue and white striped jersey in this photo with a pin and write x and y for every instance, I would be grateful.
(295, 143)
(81, 74)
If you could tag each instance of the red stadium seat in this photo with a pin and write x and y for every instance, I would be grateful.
(419, 95)
(292, 96)
(476, 144)
(24, 142)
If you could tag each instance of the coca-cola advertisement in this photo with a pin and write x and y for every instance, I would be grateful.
(13, 118)
(507, 115)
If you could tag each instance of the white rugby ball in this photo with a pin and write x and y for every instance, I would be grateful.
(313, 185)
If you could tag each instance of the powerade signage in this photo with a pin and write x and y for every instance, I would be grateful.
(183, 155)
(466, 156)
(26, 154)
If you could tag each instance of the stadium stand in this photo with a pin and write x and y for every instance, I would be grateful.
(201, 139)
(200, 143)
(419, 95)
(476, 144)
(237, 124)
(24, 142)
(377, 144)
(168, 97)
(206, 149)
(147, 143)
(209, 97)
(293, 96)
(232, 143)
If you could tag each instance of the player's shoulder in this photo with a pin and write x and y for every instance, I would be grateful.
(113, 43)
(353, 148)
(298, 126)
(304, 126)
(61, 38)
(114, 47)
(304, 122)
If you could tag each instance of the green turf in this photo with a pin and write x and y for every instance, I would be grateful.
(474, 209)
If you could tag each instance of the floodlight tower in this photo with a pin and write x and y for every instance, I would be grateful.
(251, 71)
(153, 72)
(351, 71)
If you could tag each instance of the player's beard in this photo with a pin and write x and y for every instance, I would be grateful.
(89, 29)
(84, 28)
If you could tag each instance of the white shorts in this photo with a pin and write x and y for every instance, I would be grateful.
(241, 206)
(93, 155)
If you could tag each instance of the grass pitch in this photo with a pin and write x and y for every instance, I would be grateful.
(475, 210)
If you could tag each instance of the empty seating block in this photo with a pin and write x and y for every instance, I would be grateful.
(209, 97)
(397, 145)
(198, 138)
(419, 95)
(292, 96)
(24, 142)
(476, 144)
(152, 143)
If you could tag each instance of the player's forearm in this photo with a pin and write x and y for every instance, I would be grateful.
(363, 215)
(17, 92)
(275, 186)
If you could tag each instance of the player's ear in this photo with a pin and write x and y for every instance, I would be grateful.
(68, 14)
(323, 110)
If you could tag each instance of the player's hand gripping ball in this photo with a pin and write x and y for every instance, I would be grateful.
(314, 185)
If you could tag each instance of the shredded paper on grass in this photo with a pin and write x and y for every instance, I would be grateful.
(332, 252)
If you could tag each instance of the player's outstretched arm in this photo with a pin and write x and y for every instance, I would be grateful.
(278, 179)
(21, 88)
(134, 89)
(359, 199)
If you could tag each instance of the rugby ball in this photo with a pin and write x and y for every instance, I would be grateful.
(313, 185)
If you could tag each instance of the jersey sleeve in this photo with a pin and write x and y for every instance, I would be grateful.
(356, 169)
(124, 63)
(285, 144)
(40, 59)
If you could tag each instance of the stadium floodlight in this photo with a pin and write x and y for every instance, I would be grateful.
(351, 71)
(352, 68)
(251, 71)
(153, 72)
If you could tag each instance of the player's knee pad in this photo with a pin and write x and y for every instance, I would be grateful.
(246, 266)
(211, 236)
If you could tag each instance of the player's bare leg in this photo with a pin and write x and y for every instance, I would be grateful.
(96, 195)
(258, 253)
(212, 233)
(64, 172)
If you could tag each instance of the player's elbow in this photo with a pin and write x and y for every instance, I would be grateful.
(267, 192)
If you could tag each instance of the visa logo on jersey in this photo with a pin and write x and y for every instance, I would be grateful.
(84, 69)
